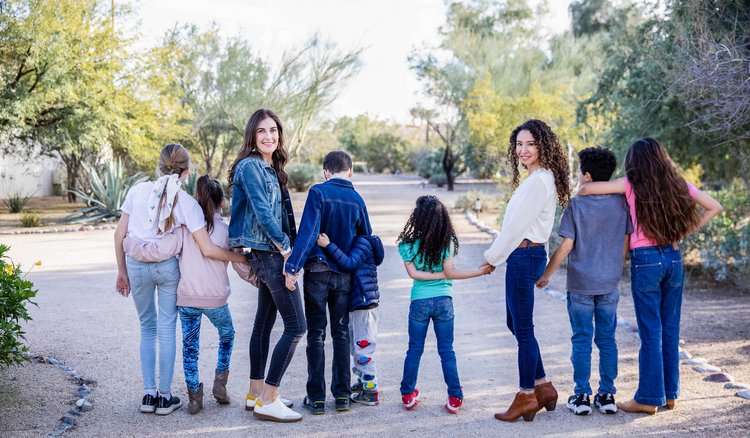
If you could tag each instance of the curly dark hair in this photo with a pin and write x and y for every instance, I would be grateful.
(551, 156)
(598, 162)
(663, 206)
(430, 223)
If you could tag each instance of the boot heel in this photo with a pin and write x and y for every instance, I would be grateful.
(529, 417)
(550, 406)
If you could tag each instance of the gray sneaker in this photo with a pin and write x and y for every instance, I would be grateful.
(369, 398)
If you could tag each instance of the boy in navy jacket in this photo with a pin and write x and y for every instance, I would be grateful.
(365, 255)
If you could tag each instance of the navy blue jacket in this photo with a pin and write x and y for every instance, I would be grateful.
(333, 208)
(366, 254)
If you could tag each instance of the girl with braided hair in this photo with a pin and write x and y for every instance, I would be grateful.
(527, 225)
(427, 245)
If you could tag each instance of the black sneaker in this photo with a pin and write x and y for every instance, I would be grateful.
(148, 404)
(357, 387)
(342, 404)
(369, 398)
(315, 407)
(166, 407)
(606, 403)
(580, 404)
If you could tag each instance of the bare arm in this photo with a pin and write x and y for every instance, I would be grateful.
(560, 254)
(626, 247)
(416, 274)
(458, 274)
(122, 284)
(208, 249)
(603, 187)
(711, 208)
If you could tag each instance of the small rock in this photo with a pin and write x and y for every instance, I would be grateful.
(84, 405)
(682, 342)
(696, 361)
(736, 385)
(719, 378)
(64, 424)
(53, 361)
(707, 368)
(685, 355)
(75, 413)
(83, 390)
(745, 393)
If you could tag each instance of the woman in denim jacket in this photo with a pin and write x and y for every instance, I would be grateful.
(263, 225)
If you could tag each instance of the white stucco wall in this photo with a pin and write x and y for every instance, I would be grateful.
(27, 177)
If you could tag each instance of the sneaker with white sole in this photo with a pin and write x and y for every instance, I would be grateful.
(148, 404)
(606, 403)
(580, 404)
(411, 400)
(250, 402)
(454, 404)
(166, 407)
(275, 411)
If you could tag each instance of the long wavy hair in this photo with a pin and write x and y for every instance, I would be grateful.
(430, 223)
(250, 146)
(664, 208)
(551, 156)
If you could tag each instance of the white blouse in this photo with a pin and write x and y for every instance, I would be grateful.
(530, 214)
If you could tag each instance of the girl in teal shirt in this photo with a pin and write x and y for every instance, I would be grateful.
(427, 245)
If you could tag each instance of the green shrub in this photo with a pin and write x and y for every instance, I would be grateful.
(190, 184)
(490, 203)
(31, 220)
(16, 201)
(103, 197)
(302, 176)
(724, 243)
(428, 162)
(15, 293)
(438, 179)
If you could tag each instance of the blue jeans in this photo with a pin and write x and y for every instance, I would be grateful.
(583, 311)
(221, 318)
(272, 296)
(656, 275)
(327, 290)
(524, 267)
(440, 311)
(161, 323)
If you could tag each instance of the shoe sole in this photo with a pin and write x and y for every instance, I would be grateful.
(169, 410)
(452, 410)
(579, 410)
(411, 406)
(366, 403)
(275, 419)
(607, 409)
(148, 409)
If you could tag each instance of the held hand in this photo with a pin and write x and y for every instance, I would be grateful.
(290, 281)
(122, 284)
(323, 240)
(486, 268)
(542, 282)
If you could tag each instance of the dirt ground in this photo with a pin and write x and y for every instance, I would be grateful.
(81, 320)
(51, 209)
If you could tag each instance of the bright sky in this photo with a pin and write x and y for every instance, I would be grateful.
(387, 29)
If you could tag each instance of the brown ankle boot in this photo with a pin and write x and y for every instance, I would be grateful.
(671, 404)
(524, 405)
(220, 387)
(196, 400)
(634, 407)
(546, 395)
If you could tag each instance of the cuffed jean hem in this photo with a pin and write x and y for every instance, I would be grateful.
(651, 401)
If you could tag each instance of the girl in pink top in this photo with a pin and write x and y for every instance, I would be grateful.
(663, 208)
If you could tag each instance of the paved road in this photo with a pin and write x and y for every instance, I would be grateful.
(82, 320)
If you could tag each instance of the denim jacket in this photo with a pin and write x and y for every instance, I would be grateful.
(334, 208)
(257, 220)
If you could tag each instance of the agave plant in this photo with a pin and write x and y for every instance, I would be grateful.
(104, 195)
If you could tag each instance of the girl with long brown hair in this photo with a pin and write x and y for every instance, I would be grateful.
(663, 208)
(262, 225)
(527, 225)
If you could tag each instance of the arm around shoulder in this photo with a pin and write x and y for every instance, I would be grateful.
(603, 187)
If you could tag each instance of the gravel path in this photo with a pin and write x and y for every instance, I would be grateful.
(82, 321)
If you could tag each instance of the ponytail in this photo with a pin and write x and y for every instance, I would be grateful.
(209, 195)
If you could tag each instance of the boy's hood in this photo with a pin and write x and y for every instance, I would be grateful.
(378, 251)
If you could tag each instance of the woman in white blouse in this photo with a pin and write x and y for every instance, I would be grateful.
(527, 225)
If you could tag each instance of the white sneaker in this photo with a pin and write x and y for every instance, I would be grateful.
(250, 402)
(276, 411)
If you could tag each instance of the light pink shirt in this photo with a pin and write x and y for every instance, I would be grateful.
(204, 282)
(637, 238)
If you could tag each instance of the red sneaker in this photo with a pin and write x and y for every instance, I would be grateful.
(454, 404)
(411, 400)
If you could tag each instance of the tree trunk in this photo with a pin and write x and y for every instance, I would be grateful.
(72, 167)
(449, 163)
